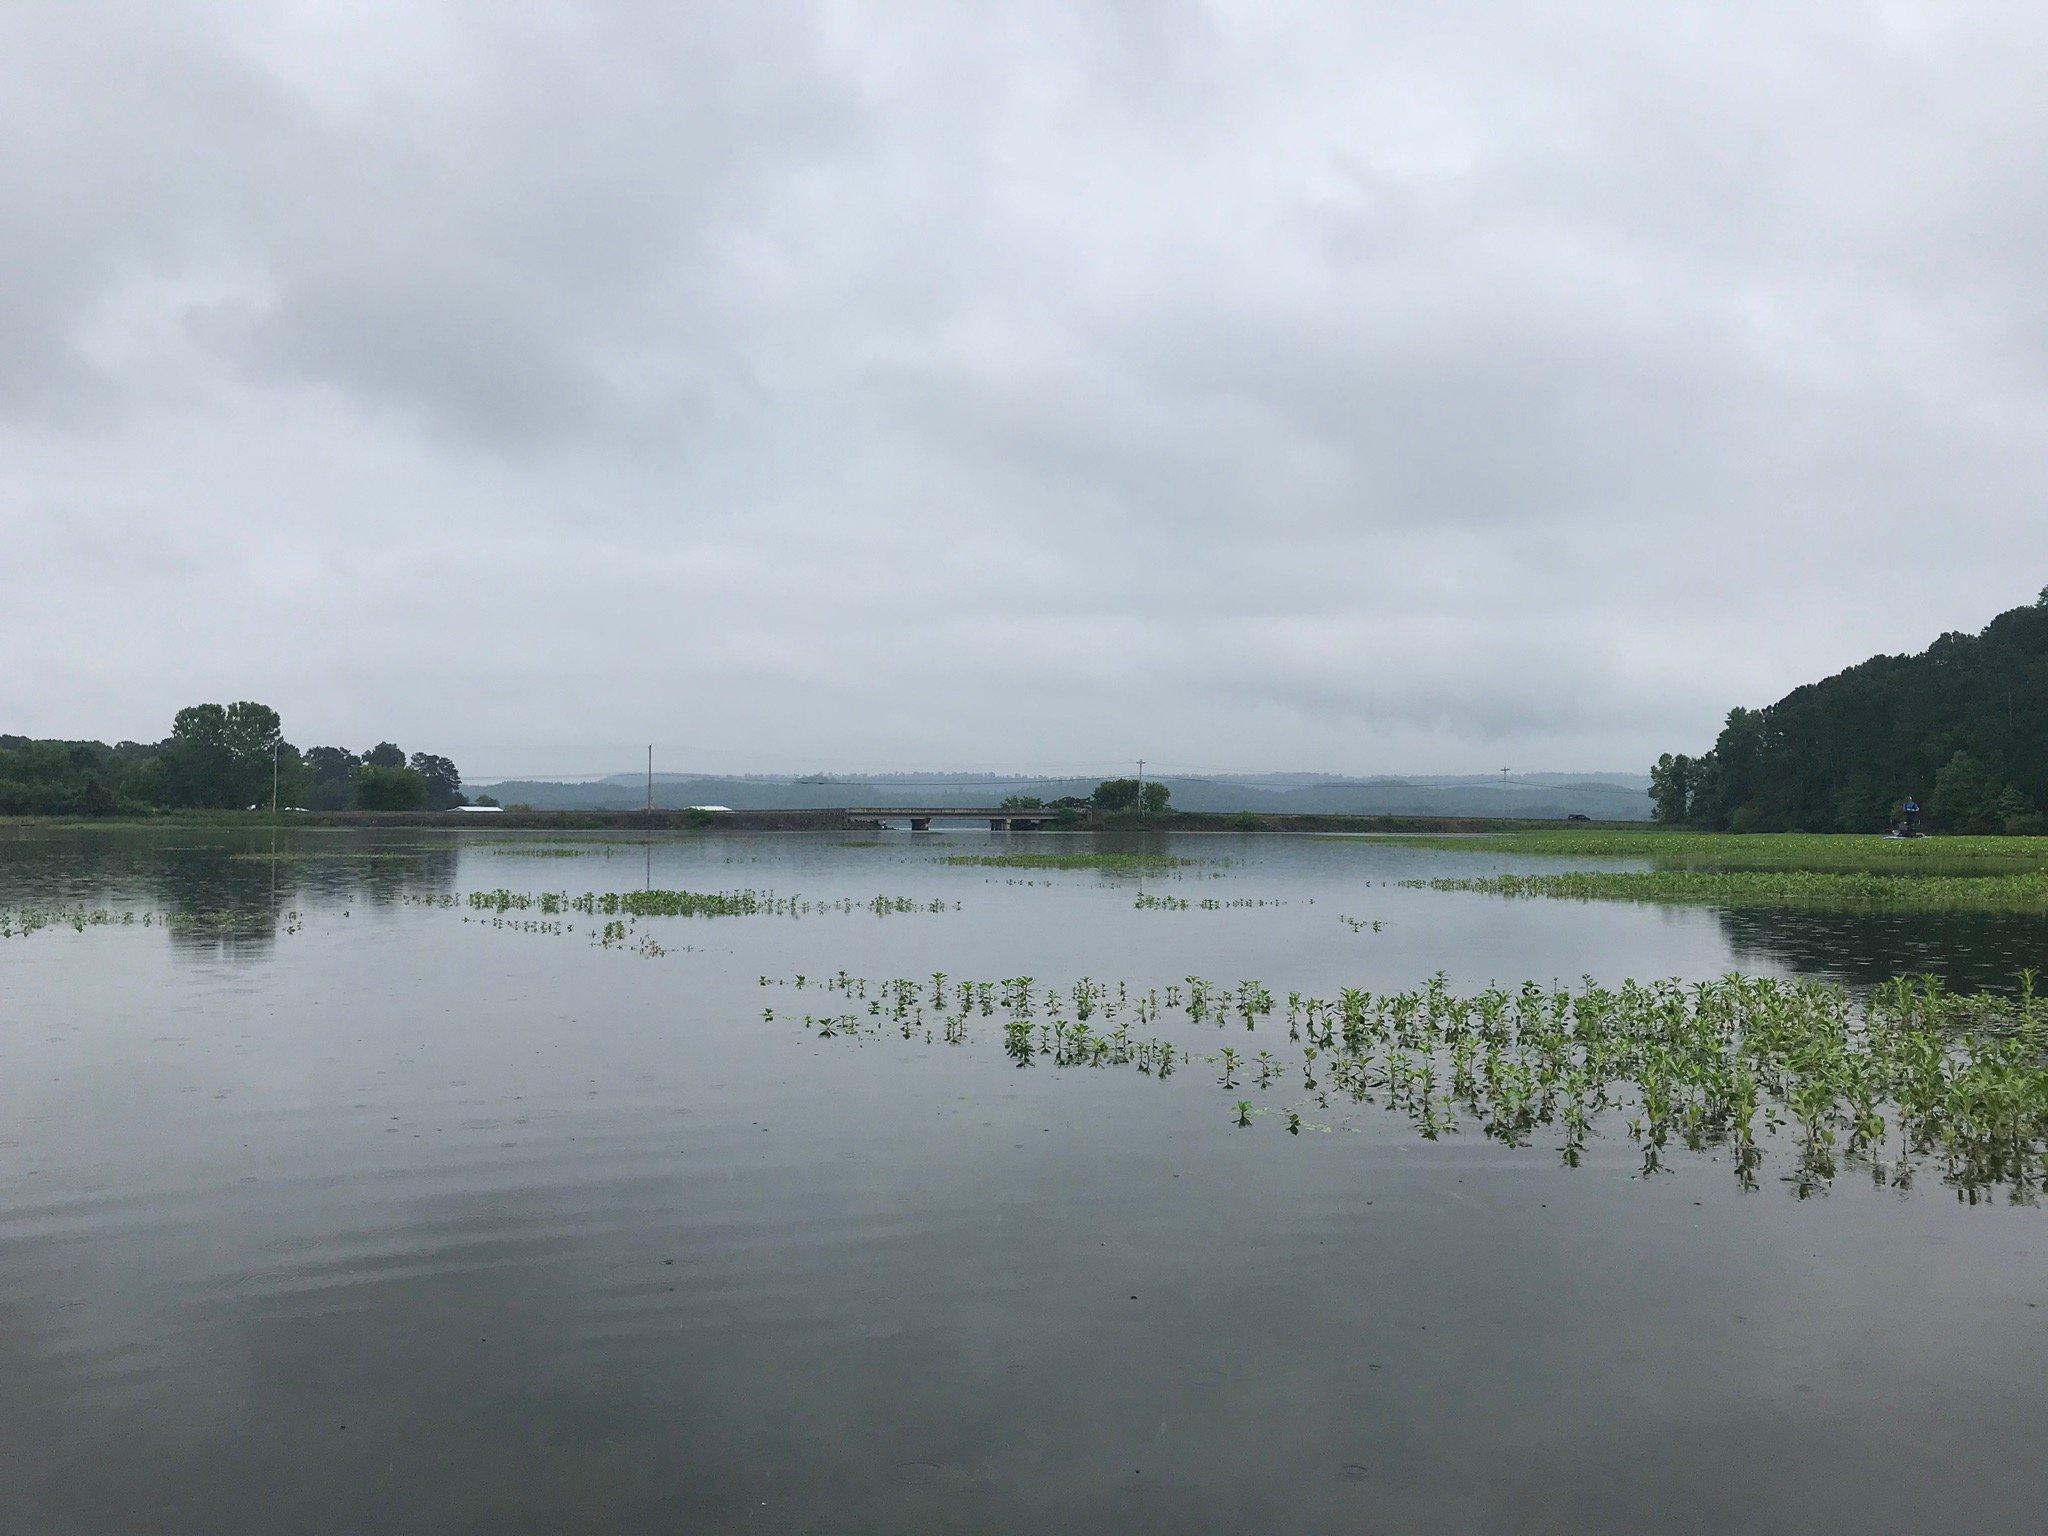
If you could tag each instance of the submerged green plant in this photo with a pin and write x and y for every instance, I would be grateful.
(746, 903)
(1147, 901)
(20, 922)
(1773, 888)
(1910, 1077)
(1115, 863)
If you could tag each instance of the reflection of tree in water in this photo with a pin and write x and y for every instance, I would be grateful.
(230, 899)
(1971, 951)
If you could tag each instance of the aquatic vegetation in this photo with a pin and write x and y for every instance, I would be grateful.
(655, 903)
(1910, 1079)
(1114, 863)
(1774, 888)
(1794, 869)
(1905, 1083)
(1756, 850)
(1361, 924)
(20, 922)
(1148, 901)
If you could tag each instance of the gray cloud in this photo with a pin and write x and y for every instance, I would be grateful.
(1353, 387)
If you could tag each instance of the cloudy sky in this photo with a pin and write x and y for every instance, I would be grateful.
(1361, 388)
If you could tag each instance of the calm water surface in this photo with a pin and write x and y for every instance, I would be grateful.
(327, 1208)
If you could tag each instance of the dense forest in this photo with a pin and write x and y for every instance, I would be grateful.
(1962, 728)
(217, 757)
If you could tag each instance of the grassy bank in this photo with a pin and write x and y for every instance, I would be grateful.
(1758, 850)
(1775, 888)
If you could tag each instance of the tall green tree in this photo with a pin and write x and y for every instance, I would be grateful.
(219, 756)
(390, 789)
(64, 778)
(333, 778)
(1671, 783)
(1967, 797)
(1115, 795)
(1130, 795)
(1842, 753)
(444, 782)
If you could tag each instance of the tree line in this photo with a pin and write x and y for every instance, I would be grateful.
(218, 757)
(1960, 728)
(1113, 796)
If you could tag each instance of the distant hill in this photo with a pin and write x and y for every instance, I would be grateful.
(1602, 796)
(1961, 727)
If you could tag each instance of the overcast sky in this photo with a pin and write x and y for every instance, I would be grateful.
(1362, 388)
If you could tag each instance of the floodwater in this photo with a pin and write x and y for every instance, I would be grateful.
(329, 1206)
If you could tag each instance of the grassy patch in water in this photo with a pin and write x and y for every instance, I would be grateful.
(1847, 889)
(746, 903)
(1909, 1079)
(1756, 850)
(1116, 863)
(20, 922)
(1151, 901)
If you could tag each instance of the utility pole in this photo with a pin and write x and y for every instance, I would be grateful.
(650, 778)
(273, 779)
(1141, 784)
(1503, 794)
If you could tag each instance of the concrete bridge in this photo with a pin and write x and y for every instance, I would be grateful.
(921, 817)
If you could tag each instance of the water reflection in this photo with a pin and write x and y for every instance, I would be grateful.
(222, 896)
(425, 1224)
(1971, 951)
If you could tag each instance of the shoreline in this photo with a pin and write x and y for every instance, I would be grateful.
(862, 820)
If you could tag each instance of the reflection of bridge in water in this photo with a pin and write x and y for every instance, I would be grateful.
(921, 817)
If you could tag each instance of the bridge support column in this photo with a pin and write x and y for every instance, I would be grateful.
(998, 824)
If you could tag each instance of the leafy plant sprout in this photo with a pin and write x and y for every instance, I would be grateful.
(741, 903)
(1910, 1078)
